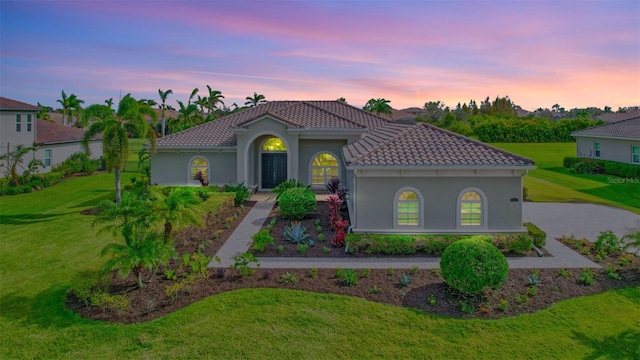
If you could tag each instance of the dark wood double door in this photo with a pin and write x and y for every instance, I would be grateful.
(274, 169)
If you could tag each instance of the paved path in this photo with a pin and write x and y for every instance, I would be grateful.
(556, 219)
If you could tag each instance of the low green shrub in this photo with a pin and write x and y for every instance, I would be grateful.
(588, 166)
(261, 240)
(85, 283)
(473, 264)
(120, 304)
(608, 243)
(286, 185)
(598, 166)
(347, 277)
(297, 203)
(539, 237)
(241, 192)
(587, 277)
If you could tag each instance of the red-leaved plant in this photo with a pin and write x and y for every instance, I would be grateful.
(339, 225)
(200, 177)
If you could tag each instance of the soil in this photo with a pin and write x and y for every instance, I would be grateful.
(382, 286)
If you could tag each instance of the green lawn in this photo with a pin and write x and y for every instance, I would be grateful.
(44, 241)
(550, 182)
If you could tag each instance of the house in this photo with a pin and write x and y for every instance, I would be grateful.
(617, 116)
(54, 142)
(616, 141)
(408, 178)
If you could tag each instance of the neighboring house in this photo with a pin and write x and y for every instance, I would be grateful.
(54, 142)
(409, 178)
(618, 116)
(616, 141)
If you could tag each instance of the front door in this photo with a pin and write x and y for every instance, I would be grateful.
(274, 169)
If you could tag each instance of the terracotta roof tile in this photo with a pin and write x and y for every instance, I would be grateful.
(9, 105)
(627, 129)
(425, 145)
(300, 114)
(48, 132)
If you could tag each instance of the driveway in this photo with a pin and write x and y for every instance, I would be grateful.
(581, 220)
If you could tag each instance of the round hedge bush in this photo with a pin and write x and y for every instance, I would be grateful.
(297, 203)
(471, 265)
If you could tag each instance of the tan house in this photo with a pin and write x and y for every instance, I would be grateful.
(408, 178)
(54, 142)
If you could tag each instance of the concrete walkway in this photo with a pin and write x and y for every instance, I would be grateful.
(556, 219)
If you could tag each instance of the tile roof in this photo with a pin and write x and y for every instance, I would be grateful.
(625, 129)
(617, 116)
(13, 105)
(48, 132)
(298, 114)
(424, 145)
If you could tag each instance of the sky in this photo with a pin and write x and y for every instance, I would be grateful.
(539, 53)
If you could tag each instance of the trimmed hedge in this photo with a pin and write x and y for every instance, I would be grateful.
(599, 166)
(393, 244)
(34, 183)
(297, 203)
(539, 237)
(473, 264)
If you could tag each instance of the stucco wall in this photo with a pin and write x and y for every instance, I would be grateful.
(8, 134)
(610, 149)
(173, 167)
(374, 202)
(61, 152)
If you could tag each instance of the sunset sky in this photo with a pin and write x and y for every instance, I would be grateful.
(539, 53)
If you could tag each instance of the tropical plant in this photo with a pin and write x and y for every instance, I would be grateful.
(74, 108)
(255, 100)
(163, 107)
(175, 208)
(43, 113)
(187, 117)
(115, 144)
(211, 104)
(143, 250)
(123, 218)
(378, 106)
(473, 264)
(632, 240)
(64, 101)
(297, 234)
(241, 192)
(14, 159)
(286, 185)
(261, 239)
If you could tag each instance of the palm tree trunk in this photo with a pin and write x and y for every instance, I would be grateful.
(139, 276)
(118, 192)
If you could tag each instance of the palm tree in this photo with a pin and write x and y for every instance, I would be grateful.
(115, 144)
(75, 108)
(43, 113)
(215, 97)
(65, 106)
(163, 107)
(109, 103)
(193, 94)
(186, 116)
(378, 106)
(255, 100)
(131, 213)
(202, 102)
(143, 250)
(343, 100)
(12, 159)
(175, 208)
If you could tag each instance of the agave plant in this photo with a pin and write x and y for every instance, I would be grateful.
(297, 234)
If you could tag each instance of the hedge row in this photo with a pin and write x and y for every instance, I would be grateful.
(530, 130)
(429, 244)
(31, 184)
(599, 166)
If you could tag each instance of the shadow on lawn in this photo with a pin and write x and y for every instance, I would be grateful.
(621, 346)
(46, 309)
(107, 195)
(27, 219)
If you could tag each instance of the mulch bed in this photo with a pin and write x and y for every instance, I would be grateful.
(151, 301)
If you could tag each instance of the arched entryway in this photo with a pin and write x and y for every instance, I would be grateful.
(273, 155)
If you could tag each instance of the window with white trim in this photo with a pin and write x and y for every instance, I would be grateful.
(18, 122)
(408, 209)
(28, 122)
(471, 209)
(47, 157)
(199, 164)
(323, 168)
(596, 149)
(635, 154)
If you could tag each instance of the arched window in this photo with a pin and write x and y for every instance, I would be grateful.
(408, 208)
(198, 165)
(323, 168)
(273, 144)
(472, 209)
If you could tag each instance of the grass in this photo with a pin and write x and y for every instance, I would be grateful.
(45, 241)
(551, 182)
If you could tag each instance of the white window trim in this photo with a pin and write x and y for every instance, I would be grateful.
(637, 147)
(18, 122)
(597, 149)
(311, 167)
(49, 158)
(420, 209)
(190, 180)
(485, 210)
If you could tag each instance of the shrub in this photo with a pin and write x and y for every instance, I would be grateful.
(244, 262)
(539, 237)
(503, 305)
(405, 280)
(605, 166)
(586, 277)
(241, 192)
(118, 303)
(288, 278)
(347, 277)
(261, 240)
(365, 272)
(297, 234)
(472, 264)
(286, 185)
(297, 203)
(588, 166)
(84, 283)
(565, 273)
(570, 161)
(313, 272)
(608, 243)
